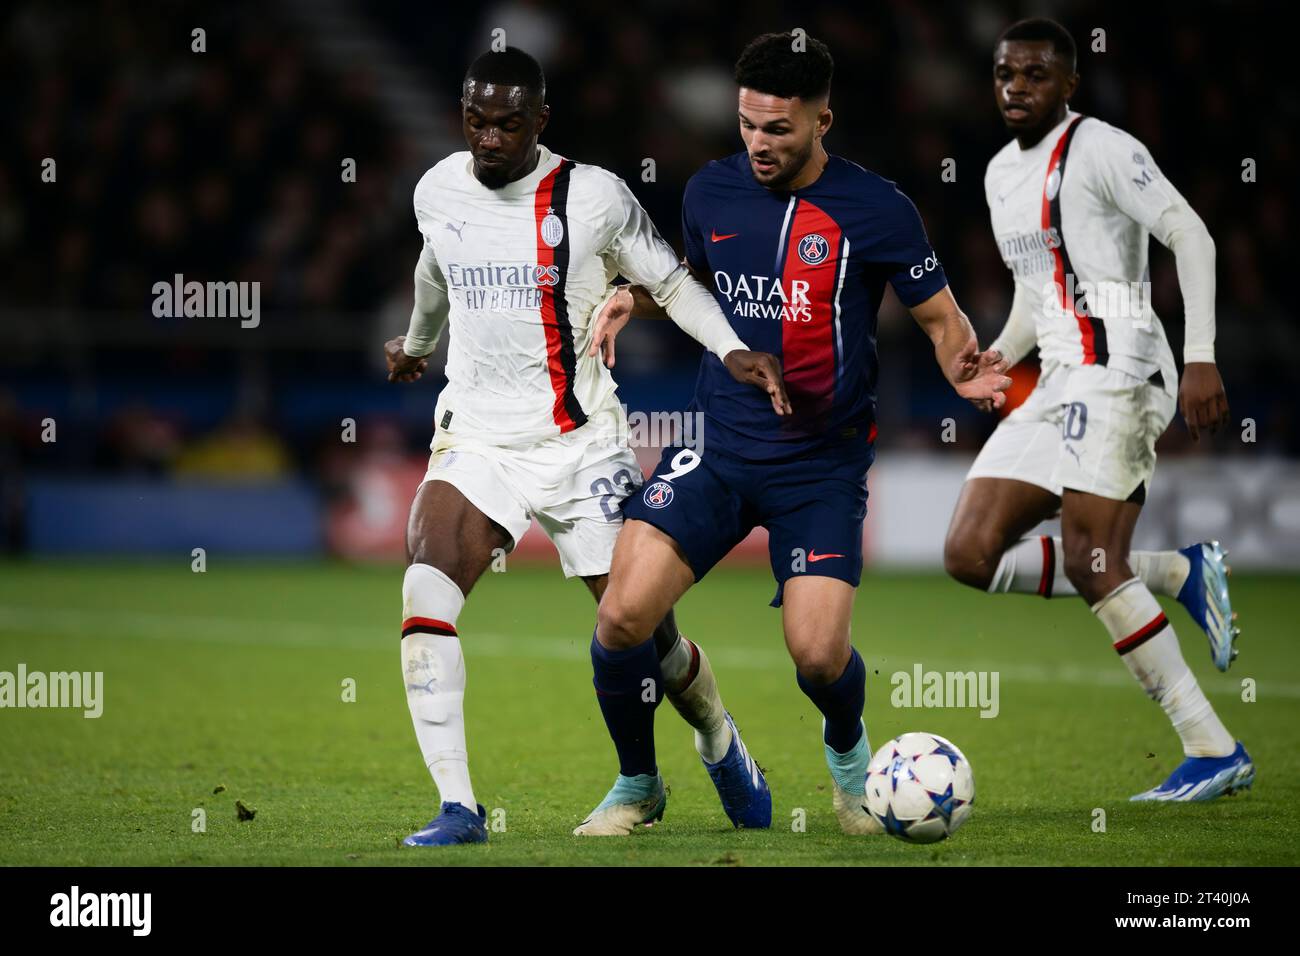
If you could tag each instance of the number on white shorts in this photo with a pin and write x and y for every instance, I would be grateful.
(606, 488)
(1076, 420)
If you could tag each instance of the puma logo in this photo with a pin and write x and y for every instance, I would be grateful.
(1003, 197)
(457, 229)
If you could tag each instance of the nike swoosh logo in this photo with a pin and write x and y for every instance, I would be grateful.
(718, 238)
(813, 556)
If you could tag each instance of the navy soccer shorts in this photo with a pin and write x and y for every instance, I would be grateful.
(812, 508)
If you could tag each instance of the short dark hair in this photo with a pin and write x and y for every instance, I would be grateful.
(771, 64)
(510, 67)
(1041, 29)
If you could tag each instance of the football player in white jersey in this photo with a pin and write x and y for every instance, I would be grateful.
(1072, 201)
(520, 247)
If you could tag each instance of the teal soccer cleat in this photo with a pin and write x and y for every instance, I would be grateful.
(631, 802)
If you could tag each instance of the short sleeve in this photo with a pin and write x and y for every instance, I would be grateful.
(916, 272)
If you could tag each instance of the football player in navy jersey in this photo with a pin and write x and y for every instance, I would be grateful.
(797, 246)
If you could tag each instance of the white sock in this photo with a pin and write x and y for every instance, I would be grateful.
(693, 691)
(434, 670)
(1146, 641)
(1036, 565)
(1163, 572)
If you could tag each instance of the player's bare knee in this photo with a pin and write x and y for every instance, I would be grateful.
(965, 560)
(820, 665)
(618, 626)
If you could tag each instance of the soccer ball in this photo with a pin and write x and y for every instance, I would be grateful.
(919, 787)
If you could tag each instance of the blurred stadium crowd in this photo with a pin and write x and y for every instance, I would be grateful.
(226, 165)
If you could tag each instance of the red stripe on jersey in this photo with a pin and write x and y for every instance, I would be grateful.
(560, 383)
(808, 348)
(1087, 334)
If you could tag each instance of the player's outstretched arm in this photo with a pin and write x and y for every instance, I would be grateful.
(640, 253)
(615, 312)
(626, 301)
(759, 369)
(693, 309)
(644, 305)
(979, 377)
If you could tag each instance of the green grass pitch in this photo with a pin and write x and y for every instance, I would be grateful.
(234, 678)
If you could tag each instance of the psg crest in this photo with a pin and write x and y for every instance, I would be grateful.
(552, 230)
(813, 249)
(658, 495)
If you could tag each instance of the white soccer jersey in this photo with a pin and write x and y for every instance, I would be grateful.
(1071, 216)
(524, 268)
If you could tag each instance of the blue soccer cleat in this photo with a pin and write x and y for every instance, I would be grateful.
(1204, 778)
(1205, 595)
(456, 823)
(742, 788)
(631, 802)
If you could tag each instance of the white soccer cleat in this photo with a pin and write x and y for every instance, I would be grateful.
(851, 811)
(631, 802)
(849, 770)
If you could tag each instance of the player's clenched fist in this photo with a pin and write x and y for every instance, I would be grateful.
(1203, 400)
(763, 370)
(403, 367)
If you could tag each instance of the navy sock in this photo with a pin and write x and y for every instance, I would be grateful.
(628, 703)
(841, 703)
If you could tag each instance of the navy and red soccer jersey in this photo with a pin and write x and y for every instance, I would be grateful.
(801, 275)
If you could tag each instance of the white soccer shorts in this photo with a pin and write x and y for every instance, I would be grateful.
(1085, 427)
(572, 484)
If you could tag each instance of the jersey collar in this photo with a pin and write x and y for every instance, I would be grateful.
(546, 162)
(1048, 141)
